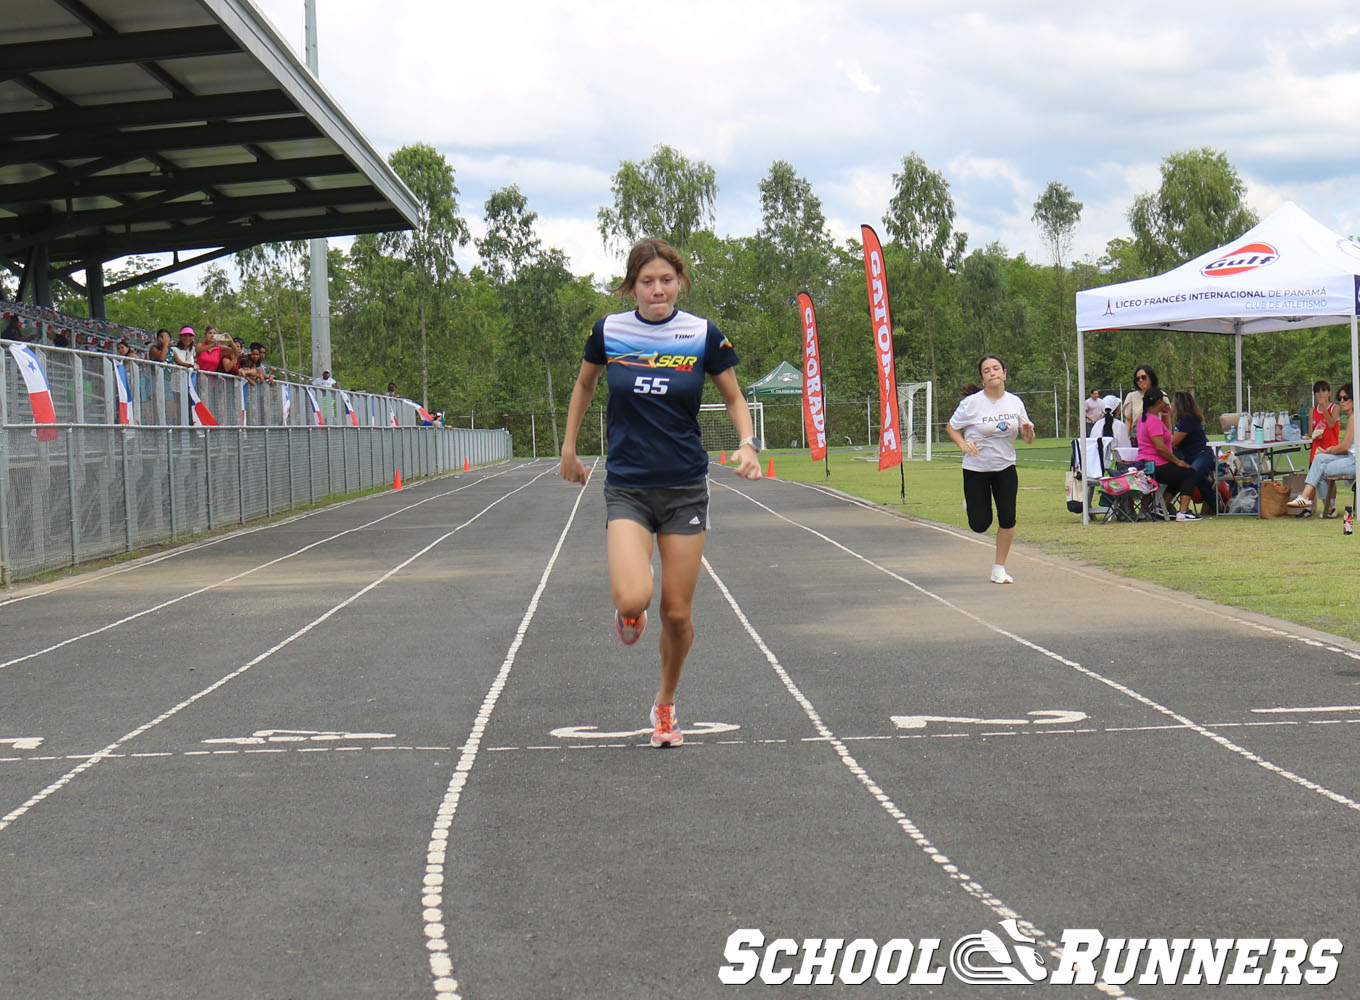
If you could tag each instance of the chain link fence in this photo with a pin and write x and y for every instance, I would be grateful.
(96, 483)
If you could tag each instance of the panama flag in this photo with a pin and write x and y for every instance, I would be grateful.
(243, 403)
(120, 378)
(349, 409)
(316, 409)
(814, 409)
(425, 414)
(39, 393)
(889, 442)
(287, 400)
(392, 416)
(198, 410)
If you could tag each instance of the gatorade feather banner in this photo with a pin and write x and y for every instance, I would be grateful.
(814, 408)
(889, 442)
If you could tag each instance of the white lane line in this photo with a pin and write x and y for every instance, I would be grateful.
(965, 881)
(693, 741)
(1316, 708)
(1211, 607)
(232, 579)
(1109, 682)
(432, 883)
(8, 819)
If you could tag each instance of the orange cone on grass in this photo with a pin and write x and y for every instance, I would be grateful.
(769, 473)
(466, 467)
(396, 480)
(722, 457)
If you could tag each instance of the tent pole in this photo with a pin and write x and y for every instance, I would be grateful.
(1238, 324)
(1081, 394)
(1355, 355)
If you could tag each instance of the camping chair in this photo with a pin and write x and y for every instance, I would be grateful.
(1133, 496)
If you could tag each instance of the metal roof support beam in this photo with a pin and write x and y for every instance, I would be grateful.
(114, 50)
(162, 208)
(16, 151)
(38, 277)
(179, 264)
(210, 234)
(78, 183)
(74, 222)
(94, 289)
(174, 111)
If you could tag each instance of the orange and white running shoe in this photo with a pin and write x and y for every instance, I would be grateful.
(665, 733)
(630, 629)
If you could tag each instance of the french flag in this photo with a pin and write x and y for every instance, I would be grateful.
(287, 400)
(198, 410)
(39, 392)
(316, 409)
(120, 377)
(243, 404)
(353, 417)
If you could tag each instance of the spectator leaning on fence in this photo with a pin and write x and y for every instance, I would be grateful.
(14, 329)
(160, 347)
(182, 353)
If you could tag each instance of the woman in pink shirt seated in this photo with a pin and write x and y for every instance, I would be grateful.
(1154, 446)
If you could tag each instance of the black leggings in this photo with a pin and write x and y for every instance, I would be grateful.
(981, 488)
(1185, 482)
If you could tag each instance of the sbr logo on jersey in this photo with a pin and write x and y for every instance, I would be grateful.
(1247, 257)
(676, 362)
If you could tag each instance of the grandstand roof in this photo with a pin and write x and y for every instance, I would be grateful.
(151, 126)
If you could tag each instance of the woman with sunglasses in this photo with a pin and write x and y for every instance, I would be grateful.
(1334, 460)
(1144, 378)
(1173, 473)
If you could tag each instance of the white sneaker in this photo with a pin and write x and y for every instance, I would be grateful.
(999, 574)
(665, 733)
(1186, 515)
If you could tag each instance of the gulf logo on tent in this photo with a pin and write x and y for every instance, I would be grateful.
(1247, 257)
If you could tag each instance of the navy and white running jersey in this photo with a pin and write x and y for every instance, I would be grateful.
(656, 381)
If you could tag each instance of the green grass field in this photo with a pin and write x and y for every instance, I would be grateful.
(1300, 570)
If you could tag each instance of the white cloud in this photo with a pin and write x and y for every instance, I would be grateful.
(1000, 97)
(860, 80)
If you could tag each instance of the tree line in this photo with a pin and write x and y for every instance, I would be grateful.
(505, 336)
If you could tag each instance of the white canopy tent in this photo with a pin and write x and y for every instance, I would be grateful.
(1288, 272)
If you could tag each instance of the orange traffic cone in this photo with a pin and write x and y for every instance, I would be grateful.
(465, 464)
(769, 473)
(722, 459)
(396, 480)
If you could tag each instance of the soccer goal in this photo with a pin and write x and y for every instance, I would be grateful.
(717, 430)
(915, 404)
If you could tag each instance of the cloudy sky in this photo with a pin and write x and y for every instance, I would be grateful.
(1001, 98)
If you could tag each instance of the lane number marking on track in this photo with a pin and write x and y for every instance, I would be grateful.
(593, 732)
(297, 736)
(1044, 717)
(22, 742)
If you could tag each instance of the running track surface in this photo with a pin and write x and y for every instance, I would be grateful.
(393, 749)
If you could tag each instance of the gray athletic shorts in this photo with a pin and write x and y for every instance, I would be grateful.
(665, 510)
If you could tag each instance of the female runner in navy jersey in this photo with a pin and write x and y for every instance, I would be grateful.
(656, 477)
